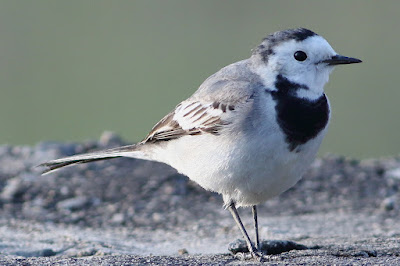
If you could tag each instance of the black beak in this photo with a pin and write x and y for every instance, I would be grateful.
(341, 60)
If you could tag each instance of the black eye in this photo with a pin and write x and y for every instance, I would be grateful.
(300, 56)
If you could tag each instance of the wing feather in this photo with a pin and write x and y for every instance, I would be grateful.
(190, 118)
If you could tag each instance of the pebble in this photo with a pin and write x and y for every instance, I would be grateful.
(183, 251)
(73, 203)
(118, 218)
(108, 138)
(388, 204)
(394, 173)
(12, 188)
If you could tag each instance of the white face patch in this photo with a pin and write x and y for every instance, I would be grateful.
(309, 72)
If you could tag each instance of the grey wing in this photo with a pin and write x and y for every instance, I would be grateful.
(224, 98)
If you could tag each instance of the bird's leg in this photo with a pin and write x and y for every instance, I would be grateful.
(253, 251)
(254, 210)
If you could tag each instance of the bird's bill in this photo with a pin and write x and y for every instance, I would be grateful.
(341, 60)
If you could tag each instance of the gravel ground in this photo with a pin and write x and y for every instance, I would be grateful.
(127, 211)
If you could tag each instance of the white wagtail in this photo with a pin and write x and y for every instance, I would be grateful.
(251, 130)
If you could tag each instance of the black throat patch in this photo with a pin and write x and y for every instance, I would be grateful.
(300, 119)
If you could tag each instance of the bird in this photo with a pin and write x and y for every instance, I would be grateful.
(251, 130)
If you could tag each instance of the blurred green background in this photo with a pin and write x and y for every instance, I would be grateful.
(71, 69)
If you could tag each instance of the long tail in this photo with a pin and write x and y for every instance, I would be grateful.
(132, 151)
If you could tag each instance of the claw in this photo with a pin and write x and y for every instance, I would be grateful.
(257, 255)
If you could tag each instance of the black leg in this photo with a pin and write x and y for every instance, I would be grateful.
(254, 209)
(253, 251)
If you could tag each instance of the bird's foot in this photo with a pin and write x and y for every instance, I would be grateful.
(255, 255)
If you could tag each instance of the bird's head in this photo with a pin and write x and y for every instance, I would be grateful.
(300, 56)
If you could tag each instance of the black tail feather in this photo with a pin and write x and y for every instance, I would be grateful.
(125, 151)
(51, 166)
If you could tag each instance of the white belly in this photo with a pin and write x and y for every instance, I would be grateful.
(246, 170)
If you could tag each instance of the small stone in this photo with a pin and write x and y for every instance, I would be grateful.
(73, 203)
(5, 150)
(361, 254)
(47, 252)
(238, 246)
(365, 253)
(86, 252)
(394, 173)
(108, 138)
(183, 251)
(157, 217)
(372, 253)
(23, 151)
(15, 187)
(64, 190)
(388, 204)
(12, 189)
(118, 218)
